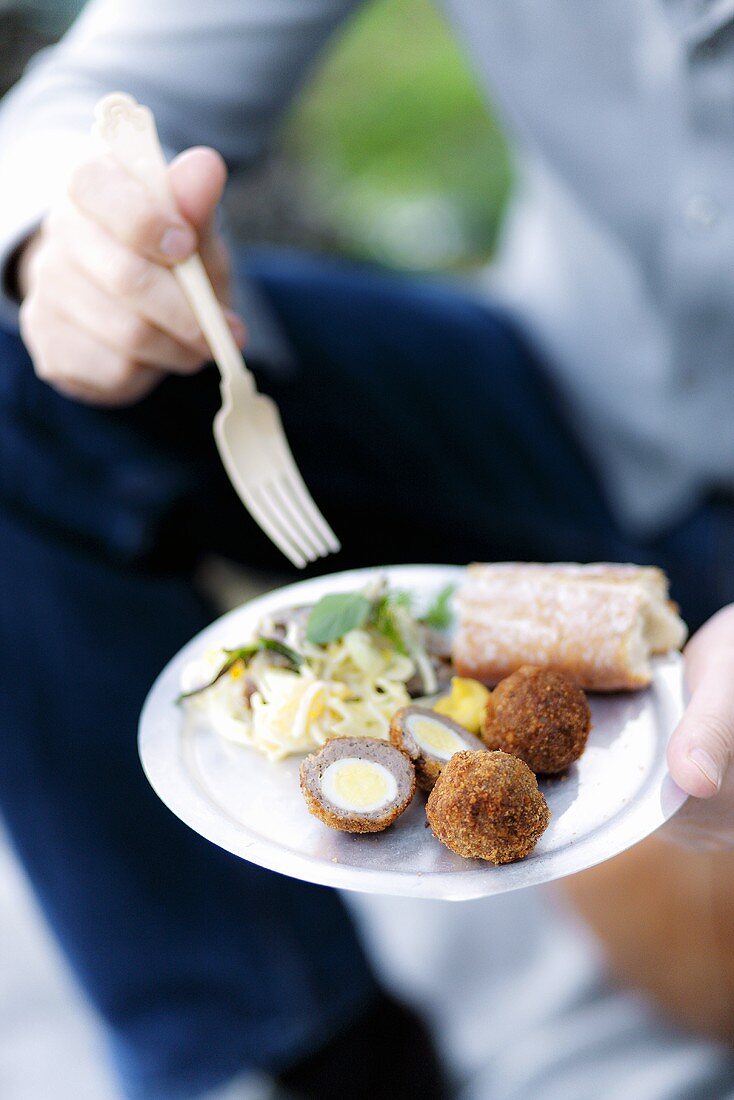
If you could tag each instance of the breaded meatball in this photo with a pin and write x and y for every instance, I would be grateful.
(540, 716)
(486, 805)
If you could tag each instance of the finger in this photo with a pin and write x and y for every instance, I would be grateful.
(151, 290)
(704, 824)
(701, 748)
(25, 262)
(139, 386)
(130, 213)
(116, 324)
(217, 260)
(78, 365)
(198, 178)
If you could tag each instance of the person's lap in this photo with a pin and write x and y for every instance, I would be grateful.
(430, 430)
(427, 431)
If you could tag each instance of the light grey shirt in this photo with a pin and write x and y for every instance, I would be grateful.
(523, 1006)
(618, 254)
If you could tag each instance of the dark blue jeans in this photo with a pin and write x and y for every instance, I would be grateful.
(427, 431)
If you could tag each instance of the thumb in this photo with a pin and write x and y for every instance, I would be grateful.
(197, 178)
(701, 748)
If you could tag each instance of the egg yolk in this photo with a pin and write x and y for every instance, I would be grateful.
(362, 785)
(435, 737)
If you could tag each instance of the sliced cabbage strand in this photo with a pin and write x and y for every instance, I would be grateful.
(350, 687)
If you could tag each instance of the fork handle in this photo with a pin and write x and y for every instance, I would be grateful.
(126, 131)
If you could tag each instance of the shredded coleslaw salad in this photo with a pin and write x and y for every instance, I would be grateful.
(350, 687)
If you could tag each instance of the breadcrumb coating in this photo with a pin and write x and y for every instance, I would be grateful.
(364, 748)
(427, 766)
(487, 805)
(539, 716)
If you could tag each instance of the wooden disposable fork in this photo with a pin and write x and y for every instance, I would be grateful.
(247, 429)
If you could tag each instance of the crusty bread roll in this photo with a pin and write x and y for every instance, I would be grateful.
(599, 624)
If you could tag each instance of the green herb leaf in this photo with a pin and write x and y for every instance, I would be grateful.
(335, 615)
(439, 614)
(246, 653)
(400, 598)
(385, 618)
(274, 644)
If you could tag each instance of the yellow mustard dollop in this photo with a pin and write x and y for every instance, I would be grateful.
(465, 703)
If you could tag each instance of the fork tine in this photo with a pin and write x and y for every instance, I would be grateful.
(268, 508)
(279, 488)
(295, 486)
(299, 493)
(284, 544)
(273, 526)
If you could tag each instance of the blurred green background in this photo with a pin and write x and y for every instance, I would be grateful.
(390, 155)
(397, 146)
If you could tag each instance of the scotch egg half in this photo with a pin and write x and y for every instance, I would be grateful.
(430, 740)
(357, 784)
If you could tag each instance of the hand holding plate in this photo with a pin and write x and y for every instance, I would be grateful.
(701, 749)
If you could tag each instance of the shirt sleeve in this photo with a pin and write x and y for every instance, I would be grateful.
(214, 72)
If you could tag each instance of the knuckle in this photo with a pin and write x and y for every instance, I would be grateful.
(719, 730)
(119, 374)
(133, 332)
(188, 364)
(174, 315)
(26, 315)
(37, 265)
(82, 181)
(42, 265)
(190, 333)
(39, 368)
(43, 367)
(29, 322)
(146, 229)
(196, 359)
(136, 387)
(128, 275)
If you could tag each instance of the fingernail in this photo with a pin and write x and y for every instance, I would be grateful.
(707, 765)
(177, 243)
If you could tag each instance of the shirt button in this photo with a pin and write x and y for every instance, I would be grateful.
(701, 212)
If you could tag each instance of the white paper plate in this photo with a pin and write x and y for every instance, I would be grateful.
(617, 794)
